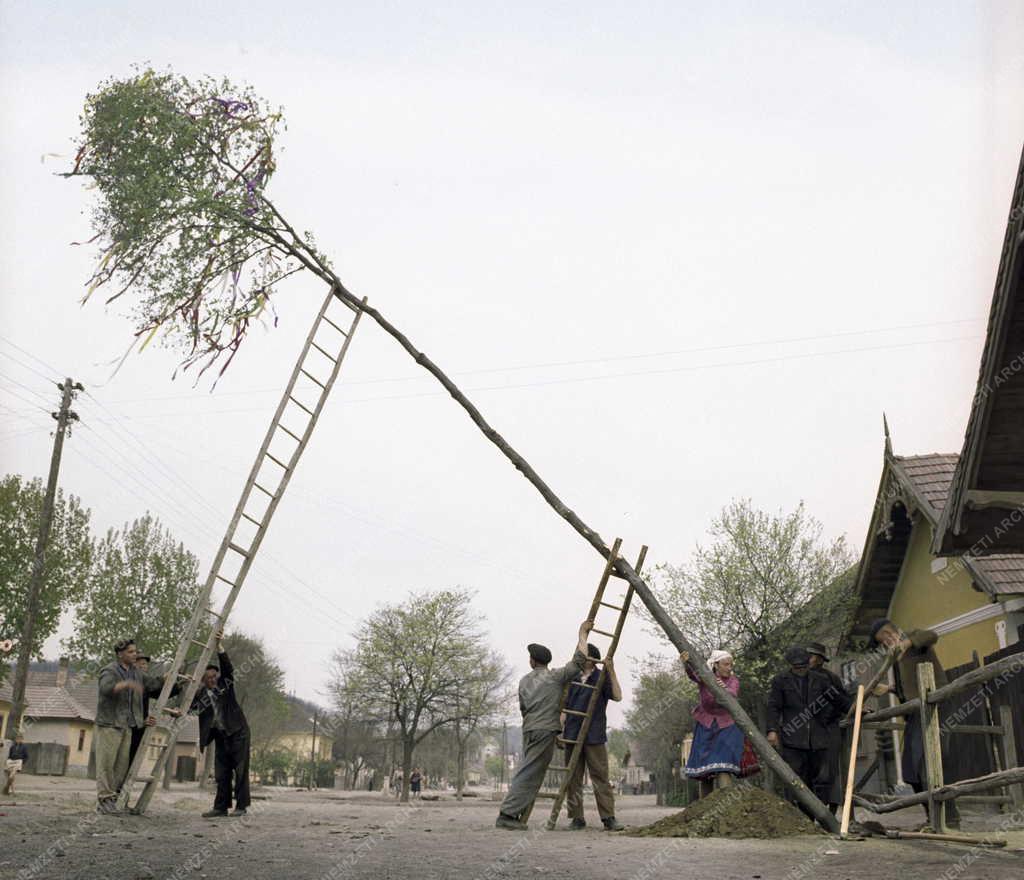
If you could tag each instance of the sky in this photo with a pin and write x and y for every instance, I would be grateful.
(678, 253)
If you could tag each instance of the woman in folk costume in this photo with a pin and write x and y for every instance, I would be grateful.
(717, 749)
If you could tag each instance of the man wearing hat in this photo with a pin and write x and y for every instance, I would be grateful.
(912, 649)
(800, 702)
(540, 699)
(595, 750)
(830, 772)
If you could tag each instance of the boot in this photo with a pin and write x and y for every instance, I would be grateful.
(611, 824)
(578, 824)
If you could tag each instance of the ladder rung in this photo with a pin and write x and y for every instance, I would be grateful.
(326, 354)
(185, 677)
(146, 779)
(214, 613)
(241, 551)
(294, 437)
(156, 745)
(558, 769)
(575, 712)
(547, 794)
(311, 377)
(197, 642)
(300, 405)
(276, 460)
(570, 742)
(221, 577)
(601, 632)
(255, 522)
(613, 607)
(582, 684)
(335, 326)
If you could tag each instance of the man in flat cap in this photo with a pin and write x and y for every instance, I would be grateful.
(799, 703)
(540, 698)
(830, 772)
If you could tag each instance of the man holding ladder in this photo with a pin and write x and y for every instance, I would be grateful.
(540, 699)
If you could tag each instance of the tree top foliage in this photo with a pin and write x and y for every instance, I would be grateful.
(180, 169)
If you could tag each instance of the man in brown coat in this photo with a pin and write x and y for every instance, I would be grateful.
(913, 649)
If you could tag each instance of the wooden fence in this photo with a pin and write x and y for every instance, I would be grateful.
(952, 710)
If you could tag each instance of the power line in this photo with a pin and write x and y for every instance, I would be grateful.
(589, 361)
(28, 367)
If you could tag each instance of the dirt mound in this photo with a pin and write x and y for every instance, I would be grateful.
(742, 810)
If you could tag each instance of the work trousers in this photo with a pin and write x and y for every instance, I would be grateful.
(231, 769)
(538, 747)
(136, 740)
(595, 759)
(807, 764)
(113, 745)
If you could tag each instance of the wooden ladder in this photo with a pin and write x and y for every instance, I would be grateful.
(325, 346)
(622, 611)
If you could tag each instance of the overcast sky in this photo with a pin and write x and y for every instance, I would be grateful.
(679, 252)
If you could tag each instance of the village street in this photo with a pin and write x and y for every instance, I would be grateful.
(53, 833)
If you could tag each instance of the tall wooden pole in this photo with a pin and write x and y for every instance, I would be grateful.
(35, 584)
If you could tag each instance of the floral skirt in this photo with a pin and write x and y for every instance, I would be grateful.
(715, 750)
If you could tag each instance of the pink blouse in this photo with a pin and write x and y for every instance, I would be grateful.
(707, 709)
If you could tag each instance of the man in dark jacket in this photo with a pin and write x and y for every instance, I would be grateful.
(222, 722)
(830, 770)
(799, 706)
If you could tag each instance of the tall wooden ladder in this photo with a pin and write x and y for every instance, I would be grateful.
(622, 611)
(289, 432)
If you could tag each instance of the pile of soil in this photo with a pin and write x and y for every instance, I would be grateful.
(742, 810)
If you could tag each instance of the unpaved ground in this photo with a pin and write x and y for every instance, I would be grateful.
(54, 833)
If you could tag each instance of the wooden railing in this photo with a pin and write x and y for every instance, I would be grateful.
(1010, 777)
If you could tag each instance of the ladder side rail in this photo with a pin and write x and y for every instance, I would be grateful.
(581, 737)
(183, 647)
(605, 577)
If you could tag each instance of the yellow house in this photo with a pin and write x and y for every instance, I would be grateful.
(975, 604)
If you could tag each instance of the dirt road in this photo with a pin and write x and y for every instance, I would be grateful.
(53, 832)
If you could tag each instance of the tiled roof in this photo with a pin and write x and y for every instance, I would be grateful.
(930, 477)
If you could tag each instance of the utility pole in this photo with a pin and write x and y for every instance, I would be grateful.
(64, 418)
(312, 752)
(504, 754)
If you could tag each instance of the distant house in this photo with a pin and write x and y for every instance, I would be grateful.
(303, 740)
(985, 512)
(61, 709)
(974, 604)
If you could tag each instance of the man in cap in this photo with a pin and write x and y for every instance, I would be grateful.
(118, 711)
(911, 650)
(799, 703)
(831, 768)
(595, 750)
(540, 699)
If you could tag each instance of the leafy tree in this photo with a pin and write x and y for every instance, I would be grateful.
(747, 590)
(410, 662)
(68, 557)
(659, 720)
(485, 696)
(493, 766)
(259, 686)
(142, 584)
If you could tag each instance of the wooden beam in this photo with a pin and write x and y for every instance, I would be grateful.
(1011, 665)
(932, 746)
(878, 804)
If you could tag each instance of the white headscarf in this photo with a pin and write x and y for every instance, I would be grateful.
(716, 656)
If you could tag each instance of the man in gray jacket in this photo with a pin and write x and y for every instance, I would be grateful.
(118, 711)
(540, 701)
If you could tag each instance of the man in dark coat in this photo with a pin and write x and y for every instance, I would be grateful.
(799, 704)
(222, 722)
(830, 770)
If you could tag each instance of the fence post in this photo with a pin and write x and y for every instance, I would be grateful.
(1010, 754)
(932, 745)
